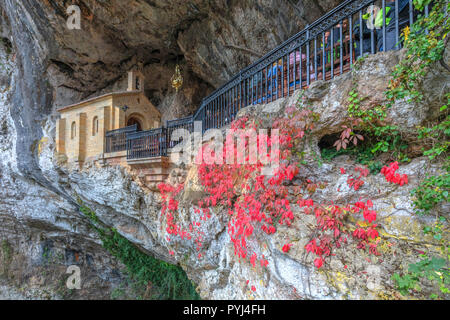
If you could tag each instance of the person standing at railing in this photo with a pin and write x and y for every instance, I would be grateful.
(391, 34)
(336, 45)
(273, 85)
(295, 59)
(366, 40)
(336, 38)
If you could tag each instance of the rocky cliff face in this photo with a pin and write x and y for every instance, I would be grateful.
(44, 65)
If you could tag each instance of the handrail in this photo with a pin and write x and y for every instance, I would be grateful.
(177, 122)
(132, 128)
(150, 132)
(326, 48)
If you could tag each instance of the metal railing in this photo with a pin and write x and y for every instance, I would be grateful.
(172, 125)
(323, 50)
(326, 48)
(147, 144)
(116, 140)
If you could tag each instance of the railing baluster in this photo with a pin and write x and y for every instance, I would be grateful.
(307, 56)
(236, 101)
(257, 88)
(324, 71)
(271, 82)
(228, 107)
(213, 112)
(294, 67)
(282, 77)
(315, 59)
(372, 36)
(250, 86)
(244, 93)
(266, 96)
(276, 79)
(301, 67)
(383, 5)
(253, 88)
(222, 109)
(216, 111)
(411, 13)
(207, 113)
(218, 116)
(350, 28)
(261, 79)
(341, 48)
(361, 49)
(248, 92)
(332, 52)
(397, 33)
(240, 95)
(256, 84)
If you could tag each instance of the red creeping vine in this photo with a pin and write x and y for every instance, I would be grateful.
(254, 201)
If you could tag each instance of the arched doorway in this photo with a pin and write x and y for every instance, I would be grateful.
(134, 121)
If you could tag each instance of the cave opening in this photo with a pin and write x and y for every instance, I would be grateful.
(361, 153)
(7, 45)
(328, 140)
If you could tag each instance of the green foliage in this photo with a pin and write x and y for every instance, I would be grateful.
(6, 250)
(436, 231)
(378, 137)
(434, 269)
(432, 191)
(366, 116)
(405, 283)
(423, 49)
(7, 256)
(382, 138)
(437, 137)
(420, 4)
(388, 139)
(170, 280)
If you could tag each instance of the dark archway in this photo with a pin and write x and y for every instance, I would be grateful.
(134, 121)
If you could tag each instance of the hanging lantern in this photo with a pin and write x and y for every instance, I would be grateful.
(177, 79)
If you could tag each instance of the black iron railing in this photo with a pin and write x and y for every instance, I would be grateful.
(116, 140)
(147, 144)
(172, 125)
(327, 48)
